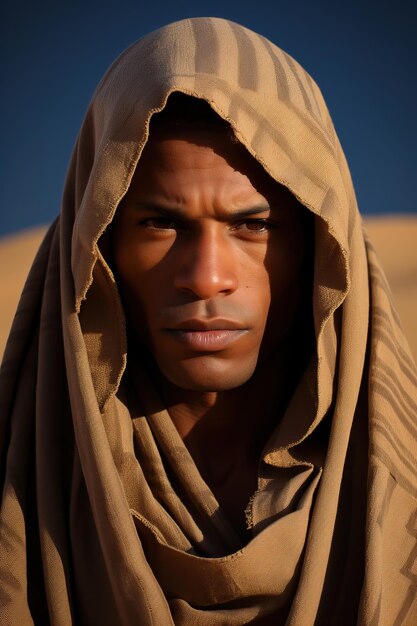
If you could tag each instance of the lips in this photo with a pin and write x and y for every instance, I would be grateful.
(207, 335)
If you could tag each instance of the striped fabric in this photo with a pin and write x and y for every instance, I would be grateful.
(84, 537)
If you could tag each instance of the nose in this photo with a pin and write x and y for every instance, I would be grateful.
(208, 265)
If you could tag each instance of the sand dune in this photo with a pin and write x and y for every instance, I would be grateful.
(395, 239)
(16, 255)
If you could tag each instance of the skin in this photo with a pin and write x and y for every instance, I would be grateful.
(210, 256)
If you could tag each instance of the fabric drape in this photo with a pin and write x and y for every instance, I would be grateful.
(105, 518)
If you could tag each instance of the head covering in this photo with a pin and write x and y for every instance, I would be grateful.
(104, 517)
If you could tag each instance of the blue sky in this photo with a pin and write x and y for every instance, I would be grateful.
(362, 54)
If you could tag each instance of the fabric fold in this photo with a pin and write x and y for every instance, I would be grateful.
(105, 518)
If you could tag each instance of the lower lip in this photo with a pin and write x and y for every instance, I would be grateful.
(206, 340)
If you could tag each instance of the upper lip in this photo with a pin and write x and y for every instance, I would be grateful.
(210, 324)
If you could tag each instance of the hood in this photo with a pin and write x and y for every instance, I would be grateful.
(276, 111)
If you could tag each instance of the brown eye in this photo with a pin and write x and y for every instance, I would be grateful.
(255, 226)
(159, 223)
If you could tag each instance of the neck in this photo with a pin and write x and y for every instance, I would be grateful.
(221, 428)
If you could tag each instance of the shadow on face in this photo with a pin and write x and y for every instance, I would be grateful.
(212, 257)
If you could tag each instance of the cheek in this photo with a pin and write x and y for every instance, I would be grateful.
(138, 265)
(137, 291)
(284, 265)
(287, 273)
(141, 296)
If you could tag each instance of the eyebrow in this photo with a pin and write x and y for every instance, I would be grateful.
(180, 213)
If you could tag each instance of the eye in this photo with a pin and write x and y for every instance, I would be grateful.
(255, 226)
(159, 223)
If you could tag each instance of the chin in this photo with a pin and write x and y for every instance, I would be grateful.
(205, 377)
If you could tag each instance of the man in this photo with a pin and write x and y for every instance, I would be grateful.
(208, 403)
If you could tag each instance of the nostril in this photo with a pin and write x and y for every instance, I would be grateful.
(205, 290)
(204, 282)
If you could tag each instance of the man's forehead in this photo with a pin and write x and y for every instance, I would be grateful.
(166, 143)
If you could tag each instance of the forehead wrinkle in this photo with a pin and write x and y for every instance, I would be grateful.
(202, 178)
(222, 198)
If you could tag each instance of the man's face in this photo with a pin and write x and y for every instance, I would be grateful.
(208, 253)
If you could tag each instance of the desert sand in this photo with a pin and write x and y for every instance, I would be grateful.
(395, 239)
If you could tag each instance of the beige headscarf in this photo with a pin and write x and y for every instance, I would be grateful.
(105, 519)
